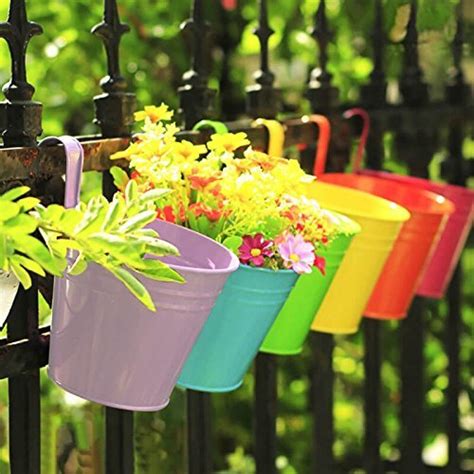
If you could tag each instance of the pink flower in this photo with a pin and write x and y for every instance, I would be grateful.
(255, 249)
(320, 264)
(297, 254)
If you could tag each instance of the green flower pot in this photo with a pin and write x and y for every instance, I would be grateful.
(289, 331)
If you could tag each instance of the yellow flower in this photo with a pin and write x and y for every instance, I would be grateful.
(154, 114)
(133, 149)
(171, 131)
(187, 151)
(264, 161)
(227, 142)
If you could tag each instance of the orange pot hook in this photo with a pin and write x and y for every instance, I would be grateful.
(324, 127)
(359, 154)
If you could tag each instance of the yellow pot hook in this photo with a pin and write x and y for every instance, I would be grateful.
(276, 135)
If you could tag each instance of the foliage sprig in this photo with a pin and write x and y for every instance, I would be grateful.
(112, 234)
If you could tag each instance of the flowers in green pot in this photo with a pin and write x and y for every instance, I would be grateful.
(251, 202)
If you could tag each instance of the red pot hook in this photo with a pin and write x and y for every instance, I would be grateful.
(359, 154)
(324, 128)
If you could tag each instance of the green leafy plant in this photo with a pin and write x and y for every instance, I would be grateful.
(111, 234)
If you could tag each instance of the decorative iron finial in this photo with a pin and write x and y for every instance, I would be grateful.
(114, 108)
(457, 90)
(454, 168)
(413, 89)
(196, 98)
(373, 94)
(320, 92)
(262, 99)
(457, 45)
(21, 116)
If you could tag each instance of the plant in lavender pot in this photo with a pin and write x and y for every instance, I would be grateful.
(98, 248)
(255, 206)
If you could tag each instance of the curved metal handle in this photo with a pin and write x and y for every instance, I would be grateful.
(324, 127)
(359, 154)
(276, 135)
(218, 127)
(74, 163)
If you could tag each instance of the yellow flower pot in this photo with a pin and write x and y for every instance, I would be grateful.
(381, 221)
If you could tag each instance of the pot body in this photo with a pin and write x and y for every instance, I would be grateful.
(447, 251)
(108, 348)
(380, 221)
(289, 331)
(401, 274)
(233, 334)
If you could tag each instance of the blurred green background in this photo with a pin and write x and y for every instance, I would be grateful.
(65, 65)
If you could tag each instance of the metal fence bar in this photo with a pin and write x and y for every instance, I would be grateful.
(119, 435)
(114, 115)
(119, 454)
(199, 432)
(453, 330)
(263, 100)
(412, 389)
(265, 394)
(416, 147)
(196, 103)
(457, 93)
(373, 96)
(372, 405)
(24, 389)
(322, 402)
(323, 98)
(21, 124)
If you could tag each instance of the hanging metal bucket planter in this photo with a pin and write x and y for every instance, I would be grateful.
(398, 281)
(288, 333)
(244, 312)
(380, 221)
(105, 345)
(447, 251)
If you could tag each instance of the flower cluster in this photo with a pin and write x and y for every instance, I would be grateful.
(252, 202)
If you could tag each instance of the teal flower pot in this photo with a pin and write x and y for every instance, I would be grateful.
(232, 335)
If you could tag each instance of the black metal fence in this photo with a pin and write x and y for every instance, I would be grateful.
(416, 124)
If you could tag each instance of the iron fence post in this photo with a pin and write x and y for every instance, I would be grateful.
(114, 115)
(458, 94)
(196, 103)
(21, 125)
(373, 96)
(263, 100)
(323, 98)
(416, 146)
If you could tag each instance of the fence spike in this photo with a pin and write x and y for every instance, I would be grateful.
(457, 90)
(455, 169)
(20, 116)
(115, 107)
(263, 100)
(196, 98)
(322, 95)
(373, 94)
(413, 89)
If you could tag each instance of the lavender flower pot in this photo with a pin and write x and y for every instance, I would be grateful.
(108, 348)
